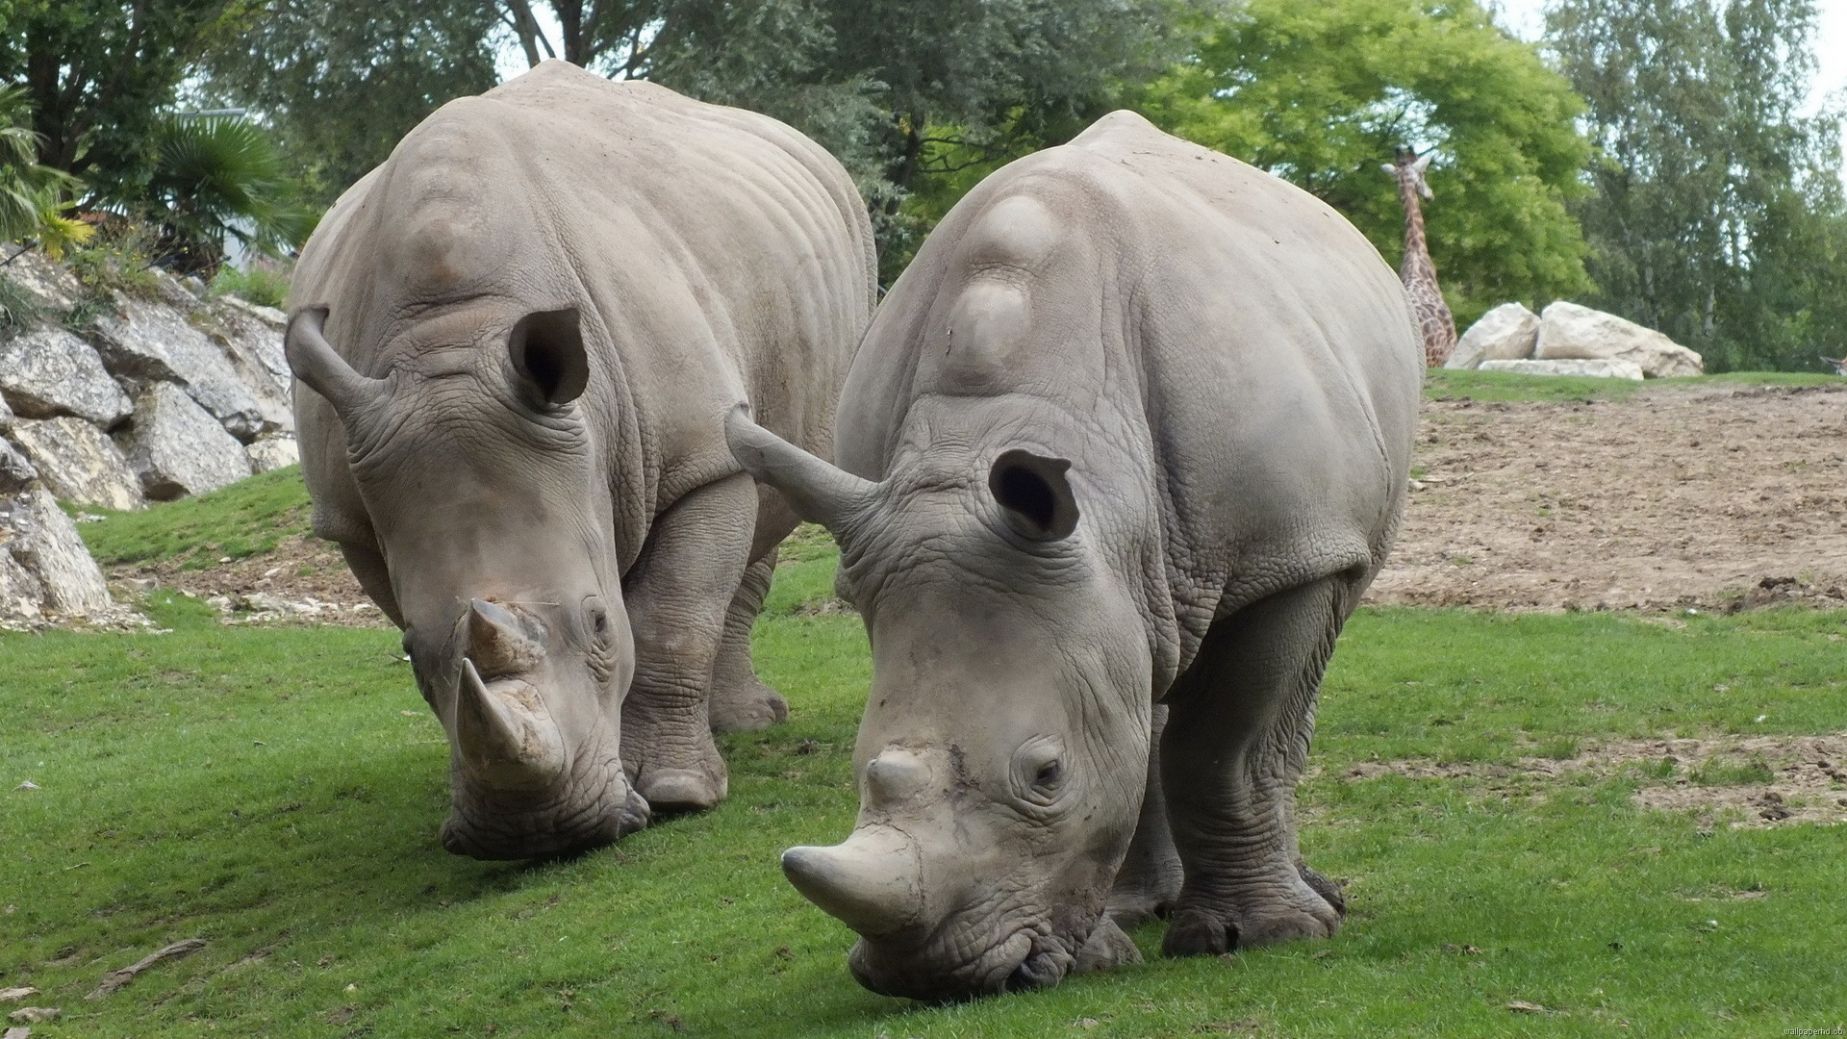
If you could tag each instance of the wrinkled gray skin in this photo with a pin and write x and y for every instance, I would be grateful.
(514, 339)
(1129, 438)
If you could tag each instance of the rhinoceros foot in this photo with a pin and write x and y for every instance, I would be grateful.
(1106, 947)
(1260, 916)
(672, 790)
(747, 708)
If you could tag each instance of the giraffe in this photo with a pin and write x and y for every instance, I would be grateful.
(1419, 275)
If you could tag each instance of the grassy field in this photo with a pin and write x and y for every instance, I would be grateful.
(277, 792)
(1443, 384)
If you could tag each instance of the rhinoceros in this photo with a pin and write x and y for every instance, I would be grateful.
(1130, 437)
(518, 337)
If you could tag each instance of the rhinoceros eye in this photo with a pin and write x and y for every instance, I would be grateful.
(1049, 774)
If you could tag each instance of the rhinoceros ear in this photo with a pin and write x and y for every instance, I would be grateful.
(321, 368)
(547, 350)
(1034, 494)
(817, 491)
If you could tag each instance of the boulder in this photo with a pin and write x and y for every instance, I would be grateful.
(1506, 333)
(1568, 331)
(1595, 369)
(79, 463)
(48, 372)
(268, 453)
(49, 283)
(16, 470)
(144, 343)
(251, 338)
(41, 544)
(6, 416)
(178, 448)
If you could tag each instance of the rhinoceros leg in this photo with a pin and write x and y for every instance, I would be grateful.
(677, 594)
(1149, 879)
(741, 702)
(1236, 742)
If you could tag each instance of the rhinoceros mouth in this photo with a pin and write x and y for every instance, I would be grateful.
(944, 970)
(584, 812)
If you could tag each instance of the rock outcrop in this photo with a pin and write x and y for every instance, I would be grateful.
(177, 448)
(1506, 333)
(145, 343)
(1568, 331)
(1596, 369)
(47, 372)
(47, 573)
(79, 463)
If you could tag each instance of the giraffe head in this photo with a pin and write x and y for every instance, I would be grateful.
(1408, 168)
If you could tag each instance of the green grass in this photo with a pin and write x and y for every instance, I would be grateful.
(278, 791)
(259, 285)
(247, 518)
(1445, 384)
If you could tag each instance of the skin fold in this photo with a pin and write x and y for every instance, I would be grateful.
(514, 342)
(1116, 459)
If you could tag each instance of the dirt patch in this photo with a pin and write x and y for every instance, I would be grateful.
(1711, 497)
(1746, 781)
(304, 579)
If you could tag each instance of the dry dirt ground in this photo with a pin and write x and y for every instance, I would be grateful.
(1715, 497)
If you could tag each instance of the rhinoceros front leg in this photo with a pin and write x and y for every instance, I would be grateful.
(677, 594)
(1149, 880)
(741, 701)
(1236, 742)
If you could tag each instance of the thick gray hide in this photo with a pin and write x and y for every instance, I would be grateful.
(1132, 430)
(521, 333)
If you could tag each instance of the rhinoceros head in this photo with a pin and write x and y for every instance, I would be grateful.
(1004, 746)
(478, 474)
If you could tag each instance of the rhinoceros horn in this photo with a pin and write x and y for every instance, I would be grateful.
(817, 491)
(872, 882)
(314, 362)
(507, 739)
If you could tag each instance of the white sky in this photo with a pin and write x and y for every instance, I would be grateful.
(1526, 19)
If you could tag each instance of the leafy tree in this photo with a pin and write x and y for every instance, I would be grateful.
(1717, 214)
(340, 82)
(32, 196)
(98, 74)
(1322, 94)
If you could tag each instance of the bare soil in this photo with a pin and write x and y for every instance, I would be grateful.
(1714, 497)
(1711, 497)
(1742, 781)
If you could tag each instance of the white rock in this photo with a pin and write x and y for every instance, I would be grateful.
(1568, 331)
(16, 470)
(272, 453)
(48, 372)
(50, 283)
(1506, 333)
(43, 543)
(177, 448)
(1596, 369)
(143, 343)
(6, 415)
(79, 463)
(252, 342)
(21, 594)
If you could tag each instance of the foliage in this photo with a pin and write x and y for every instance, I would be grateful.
(247, 518)
(1322, 94)
(220, 177)
(1717, 215)
(100, 73)
(19, 309)
(32, 197)
(120, 258)
(258, 284)
(341, 81)
(278, 791)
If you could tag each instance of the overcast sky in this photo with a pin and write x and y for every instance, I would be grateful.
(1526, 19)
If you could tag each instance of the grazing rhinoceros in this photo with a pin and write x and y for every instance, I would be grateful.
(521, 332)
(1140, 418)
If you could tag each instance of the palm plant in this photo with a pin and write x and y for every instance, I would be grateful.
(32, 197)
(215, 178)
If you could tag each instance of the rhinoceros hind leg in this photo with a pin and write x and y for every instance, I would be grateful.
(1149, 880)
(1237, 742)
(742, 702)
(677, 595)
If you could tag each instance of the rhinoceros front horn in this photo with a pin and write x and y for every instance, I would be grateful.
(505, 736)
(817, 491)
(873, 882)
(315, 362)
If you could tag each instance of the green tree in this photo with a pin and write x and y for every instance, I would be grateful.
(1717, 214)
(98, 75)
(1322, 94)
(32, 197)
(217, 178)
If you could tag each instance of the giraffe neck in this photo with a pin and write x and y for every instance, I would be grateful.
(1416, 251)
